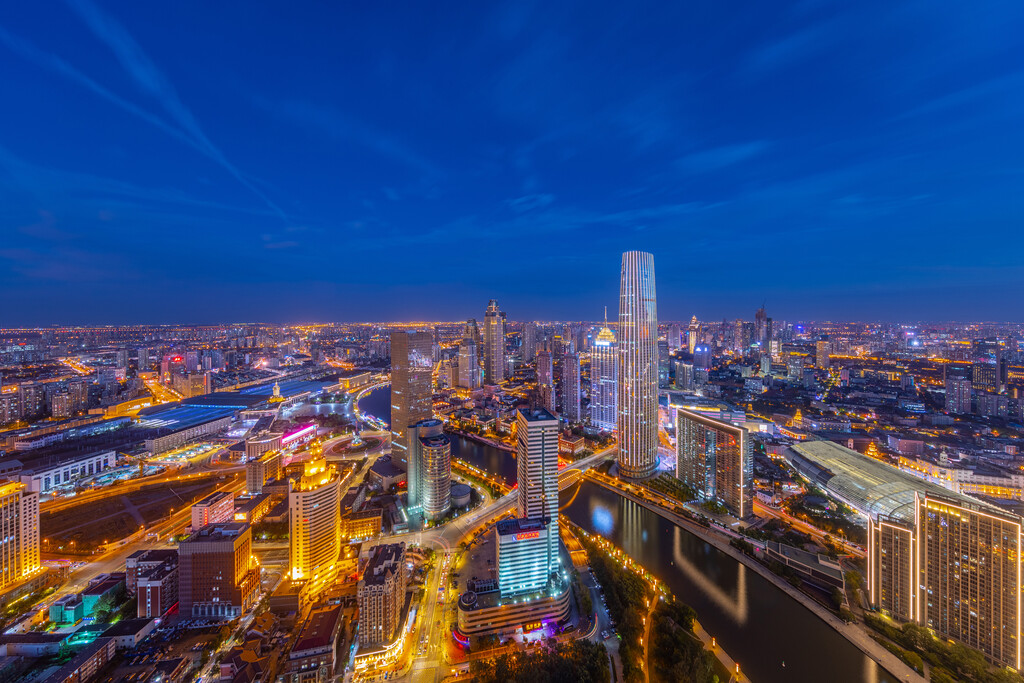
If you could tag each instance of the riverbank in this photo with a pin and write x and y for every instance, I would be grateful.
(611, 580)
(856, 636)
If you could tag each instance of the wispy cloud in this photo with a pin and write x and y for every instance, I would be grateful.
(152, 81)
(46, 60)
(530, 202)
(101, 192)
(182, 125)
(341, 126)
(720, 157)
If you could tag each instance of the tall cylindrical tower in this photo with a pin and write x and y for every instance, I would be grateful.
(638, 367)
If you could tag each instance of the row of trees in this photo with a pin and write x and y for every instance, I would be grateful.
(579, 661)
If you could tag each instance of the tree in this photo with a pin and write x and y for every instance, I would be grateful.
(853, 579)
(837, 598)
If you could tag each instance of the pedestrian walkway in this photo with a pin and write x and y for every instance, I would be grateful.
(721, 655)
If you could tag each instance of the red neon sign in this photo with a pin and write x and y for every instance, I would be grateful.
(527, 535)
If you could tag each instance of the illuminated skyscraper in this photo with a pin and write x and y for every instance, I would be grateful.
(468, 364)
(411, 387)
(638, 367)
(571, 388)
(693, 334)
(604, 377)
(314, 523)
(537, 460)
(494, 344)
(430, 469)
(19, 524)
(821, 354)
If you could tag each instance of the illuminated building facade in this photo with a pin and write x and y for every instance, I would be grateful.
(259, 471)
(19, 527)
(571, 388)
(528, 347)
(958, 393)
(494, 344)
(821, 354)
(381, 595)
(546, 380)
(537, 476)
(216, 507)
(715, 459)
(411, 387)
(468, 365)
(430, 470)
(604, 379)
(314, 523)
(638, 367)
(693, 334)
(521, 568)
(970, 576)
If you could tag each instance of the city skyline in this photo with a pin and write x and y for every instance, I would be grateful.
(772, 156)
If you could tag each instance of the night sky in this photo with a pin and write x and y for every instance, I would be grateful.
(270, 161)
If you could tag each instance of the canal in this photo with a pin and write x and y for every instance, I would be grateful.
(774, 638)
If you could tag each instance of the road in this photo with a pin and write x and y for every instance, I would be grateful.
(431, 666)
(762, 510)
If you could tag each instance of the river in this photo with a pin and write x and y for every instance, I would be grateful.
(758, 624)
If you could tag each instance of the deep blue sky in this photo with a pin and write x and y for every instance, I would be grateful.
(218, 161)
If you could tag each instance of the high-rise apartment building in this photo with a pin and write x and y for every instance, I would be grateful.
(314, 523)
(537, 476)
(716, 460)
(528, 347)
(412, 389)
(143, 360)
(217, 574)
(546, 380)
(958, 393)
(985, 376)
(468, 364)
(19, 528)
(674, 338)
(638, 367)
(684, 376)
(494, 344)
(571, 388)
(821, 354)
(258, 471)
(604, 379)
(970, 576)
(430, 470)
(761, 326)
(381, 595)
